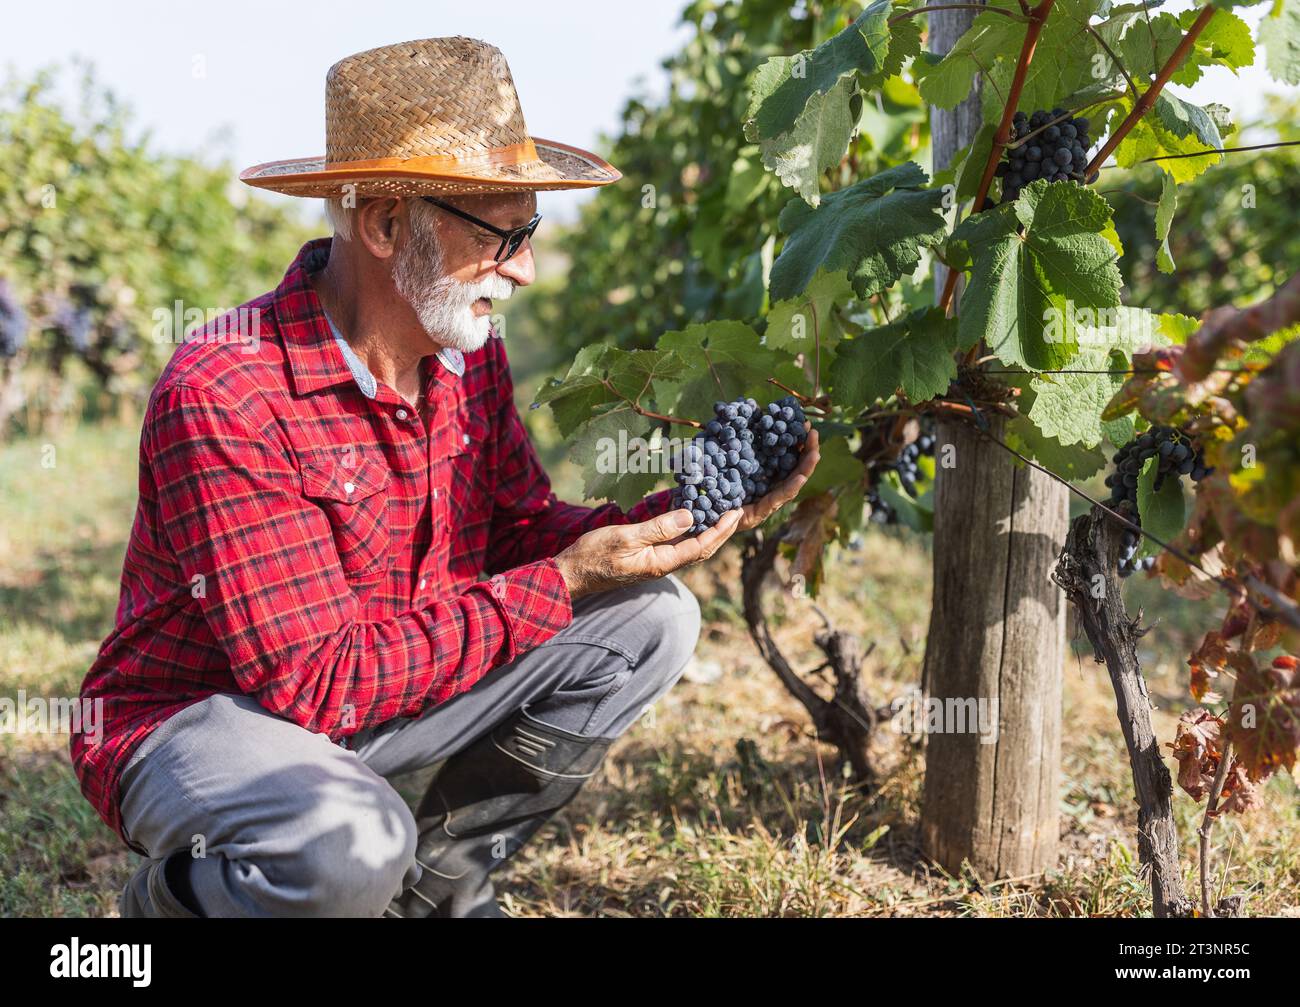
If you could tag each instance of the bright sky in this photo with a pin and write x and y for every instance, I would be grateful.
(260, 94)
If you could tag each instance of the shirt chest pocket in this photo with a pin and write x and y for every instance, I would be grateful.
(354, 499)
(470, 488)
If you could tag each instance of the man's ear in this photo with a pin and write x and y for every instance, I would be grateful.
(378, 224)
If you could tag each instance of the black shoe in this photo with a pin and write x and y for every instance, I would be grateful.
(484, 804)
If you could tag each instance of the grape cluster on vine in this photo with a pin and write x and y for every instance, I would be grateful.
(743, 452)
(1177, 456)
(1056, 153)
(908, 468)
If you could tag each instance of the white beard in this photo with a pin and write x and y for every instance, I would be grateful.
(444, 305)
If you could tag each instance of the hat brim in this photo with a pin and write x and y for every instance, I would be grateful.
(557, 166)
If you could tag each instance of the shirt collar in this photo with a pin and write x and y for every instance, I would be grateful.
(366, 381)
(319, 356)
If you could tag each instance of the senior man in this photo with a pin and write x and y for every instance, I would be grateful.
(347, 562)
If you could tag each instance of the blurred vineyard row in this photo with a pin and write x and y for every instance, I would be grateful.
(105, 243)
(100, 237)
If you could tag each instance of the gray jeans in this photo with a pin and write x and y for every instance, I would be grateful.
(291, 824)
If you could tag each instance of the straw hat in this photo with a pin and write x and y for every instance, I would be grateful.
(434, 116)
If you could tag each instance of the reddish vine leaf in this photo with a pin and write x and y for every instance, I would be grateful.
(1198, 745)
(810, 527)
(1264, 719)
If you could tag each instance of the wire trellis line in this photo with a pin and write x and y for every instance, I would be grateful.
(1208, 152)
(1235, 589)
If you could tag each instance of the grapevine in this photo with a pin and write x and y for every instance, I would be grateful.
(1040, 353)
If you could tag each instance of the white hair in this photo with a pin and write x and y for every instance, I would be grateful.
(340, 217)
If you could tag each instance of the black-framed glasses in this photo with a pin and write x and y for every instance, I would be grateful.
(511, 240)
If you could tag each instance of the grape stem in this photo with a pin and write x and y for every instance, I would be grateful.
(1207, 823)
(1037, 18)
(804, 399)
(637, 408)
(1113, 58)
(1145, 103)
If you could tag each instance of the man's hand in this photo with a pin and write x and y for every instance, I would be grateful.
(625, 554)
(618, 555)
(753, 515)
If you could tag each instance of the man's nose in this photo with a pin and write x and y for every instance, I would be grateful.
(519, 267)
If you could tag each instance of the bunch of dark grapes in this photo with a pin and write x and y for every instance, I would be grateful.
(1178, 457)
(13, 322)
(1059, 152)
(908, 467)
(743, 451)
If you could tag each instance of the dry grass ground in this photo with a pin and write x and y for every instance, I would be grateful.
(718, 803)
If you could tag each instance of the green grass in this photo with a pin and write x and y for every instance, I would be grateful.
(718, 805)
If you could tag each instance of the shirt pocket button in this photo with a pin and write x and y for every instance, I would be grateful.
(354, 499)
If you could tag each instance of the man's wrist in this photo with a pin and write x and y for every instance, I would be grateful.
(572, 580)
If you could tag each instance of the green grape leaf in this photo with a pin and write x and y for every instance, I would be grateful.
(1224, 41)
(1063, 60)
(1072, 462)
(1163, 512)
(609, 449)
(1148, 44)
(1119, 432)
(1164, 218)
(836, 467)
(874, 230)
(1068, 406)
(781, 88)
(603, 374)
(792, 323)
(948, 82)
(914, 355)
(746, 181)
(1173, 126)
(1035, 263)
(904, 44)
(1177, 328)
(576, 407)
(818, 140)
(723, 361)
(633, 373)
(1279, 34)
(972, 168)
(911, 513)
(575, 397)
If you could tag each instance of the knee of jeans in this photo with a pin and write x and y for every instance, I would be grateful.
(676, 616)
(353, 864)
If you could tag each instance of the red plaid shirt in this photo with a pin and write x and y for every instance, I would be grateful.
(321, 550)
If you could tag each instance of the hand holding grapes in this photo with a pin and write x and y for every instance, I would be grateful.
(727, 482)
(619, 555)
